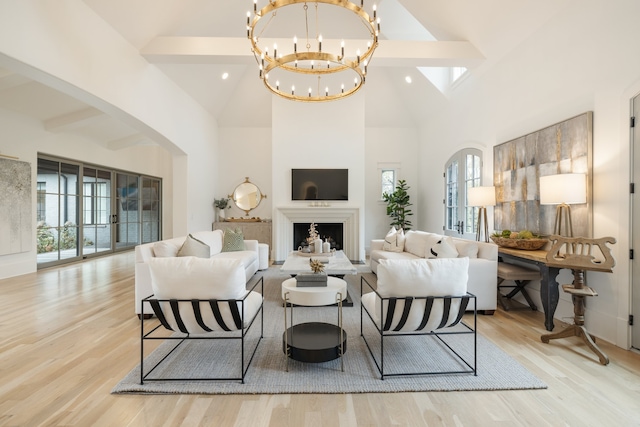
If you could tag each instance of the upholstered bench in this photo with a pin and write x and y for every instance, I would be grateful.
(521, 276)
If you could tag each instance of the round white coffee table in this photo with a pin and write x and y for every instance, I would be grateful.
(314, 342)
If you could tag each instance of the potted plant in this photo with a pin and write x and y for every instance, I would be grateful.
(221, 205)
(398, 206)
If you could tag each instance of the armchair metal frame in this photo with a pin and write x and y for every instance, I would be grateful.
(385, 326)
(237, 331)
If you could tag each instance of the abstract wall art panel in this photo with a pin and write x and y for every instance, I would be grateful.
(16, 233)
(518, 164)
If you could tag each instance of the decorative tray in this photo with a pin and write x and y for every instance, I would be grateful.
(313, 254)
(524, 244)
(252, 219)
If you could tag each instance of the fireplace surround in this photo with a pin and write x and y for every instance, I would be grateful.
(287, 216)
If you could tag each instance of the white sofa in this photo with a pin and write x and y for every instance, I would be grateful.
(214, 239)
(483, 261)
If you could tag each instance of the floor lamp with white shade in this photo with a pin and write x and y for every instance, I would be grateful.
(482, 197)
(563, 190)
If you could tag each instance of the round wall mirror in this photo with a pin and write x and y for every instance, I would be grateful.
(247, 196)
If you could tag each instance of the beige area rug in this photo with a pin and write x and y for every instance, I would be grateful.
(267, 373)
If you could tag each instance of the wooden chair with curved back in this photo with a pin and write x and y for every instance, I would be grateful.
(580, 254)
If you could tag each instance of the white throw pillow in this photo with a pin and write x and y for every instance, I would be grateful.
(418, 242)
(466, 248)
(423, 277)
(166, 248)
(443, 248)
(197, 278)
(394, 240)
(212, 238)
(194, 247)
(202, 278)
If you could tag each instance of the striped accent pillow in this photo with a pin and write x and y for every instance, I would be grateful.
(233, 240)
(394, 240)
(444, 248)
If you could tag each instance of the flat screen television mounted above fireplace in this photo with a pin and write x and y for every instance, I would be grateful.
(319, 184)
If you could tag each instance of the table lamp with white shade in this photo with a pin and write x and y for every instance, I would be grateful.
(563, 190)
(482, 197)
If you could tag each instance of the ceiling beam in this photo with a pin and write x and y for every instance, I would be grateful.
(195, 50)
(225, 50)
(397, 53)
(73, 120)
(128, 141)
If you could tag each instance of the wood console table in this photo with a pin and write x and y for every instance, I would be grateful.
(549, 293)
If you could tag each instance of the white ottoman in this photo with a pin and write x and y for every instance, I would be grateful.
(263, 256)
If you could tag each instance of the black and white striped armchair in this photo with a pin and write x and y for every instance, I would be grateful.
(421, 300)
(202, 299)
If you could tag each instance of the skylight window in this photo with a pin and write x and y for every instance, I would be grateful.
(457, 72)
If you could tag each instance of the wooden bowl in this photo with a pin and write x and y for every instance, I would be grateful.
(524, 244)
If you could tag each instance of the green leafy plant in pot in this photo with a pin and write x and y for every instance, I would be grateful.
(398, 206)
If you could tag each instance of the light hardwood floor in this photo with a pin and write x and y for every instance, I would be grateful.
(68, 335)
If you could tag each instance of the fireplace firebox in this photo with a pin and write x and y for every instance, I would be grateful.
(328, 231)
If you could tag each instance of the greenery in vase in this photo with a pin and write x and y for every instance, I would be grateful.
(222, 203)
(398, 206)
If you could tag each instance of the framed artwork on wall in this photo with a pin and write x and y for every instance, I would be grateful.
(16, 233)
(564, 147)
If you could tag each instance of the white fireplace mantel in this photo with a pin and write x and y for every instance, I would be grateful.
(285, 217)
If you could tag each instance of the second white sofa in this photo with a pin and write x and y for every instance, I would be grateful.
(483, 260)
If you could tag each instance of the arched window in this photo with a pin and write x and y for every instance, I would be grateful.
(462, 171)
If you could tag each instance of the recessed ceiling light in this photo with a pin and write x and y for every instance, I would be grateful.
(224, 76)
(407, 79)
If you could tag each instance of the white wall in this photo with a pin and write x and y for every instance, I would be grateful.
(325, 135)
(248, 152)
(389, 146)
(245, 152)
(582, 60)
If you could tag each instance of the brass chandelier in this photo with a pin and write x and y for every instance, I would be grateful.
(318, 69)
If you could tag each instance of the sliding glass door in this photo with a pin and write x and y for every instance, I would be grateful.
(127, 219)
(96, 210)
(83, 210)
(58, 207)
(151, 219)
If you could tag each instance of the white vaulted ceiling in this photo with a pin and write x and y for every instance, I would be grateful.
(195, 41)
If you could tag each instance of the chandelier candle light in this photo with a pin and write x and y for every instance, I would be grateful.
(323, 62)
